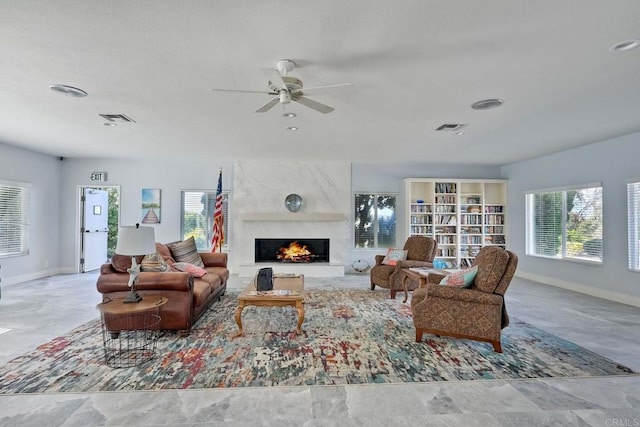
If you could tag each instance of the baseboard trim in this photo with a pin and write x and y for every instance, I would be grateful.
(8, 281)
(583, 289)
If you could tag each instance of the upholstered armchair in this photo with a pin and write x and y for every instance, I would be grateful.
(477, 312)
(421, 251)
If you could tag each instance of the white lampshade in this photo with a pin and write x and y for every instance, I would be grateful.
(136, 240)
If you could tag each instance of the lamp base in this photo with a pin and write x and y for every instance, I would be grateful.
(132, 297)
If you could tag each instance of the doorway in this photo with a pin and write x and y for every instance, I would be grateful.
(99, 212)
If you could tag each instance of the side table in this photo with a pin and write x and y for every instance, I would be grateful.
(130, 331)
(420, 274)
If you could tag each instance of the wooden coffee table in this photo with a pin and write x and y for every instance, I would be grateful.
(288, 290)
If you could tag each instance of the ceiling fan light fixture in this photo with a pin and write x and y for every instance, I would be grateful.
(285, 97)
(624, 46)
(68, 90)
(487, 104)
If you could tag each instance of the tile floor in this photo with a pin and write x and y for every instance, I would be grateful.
(39, 310)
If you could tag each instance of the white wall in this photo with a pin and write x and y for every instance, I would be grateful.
(43, 173)
(260, 188)
(610, 162)
(170, 176)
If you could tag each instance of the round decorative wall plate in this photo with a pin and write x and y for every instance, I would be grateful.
(293, 202)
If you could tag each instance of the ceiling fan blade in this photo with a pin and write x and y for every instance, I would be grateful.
(314, 105)
(269, 105)
(241, 91)
(342, 88)
(275, 79)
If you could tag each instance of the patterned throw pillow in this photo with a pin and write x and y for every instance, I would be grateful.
(186, 251)
(189, 268)
(460, 279)
(394, 255)
(154, 262)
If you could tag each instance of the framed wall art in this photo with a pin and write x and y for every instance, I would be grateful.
(151, 206)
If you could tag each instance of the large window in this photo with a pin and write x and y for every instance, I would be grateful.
(197, 217)
(14, 219)
(566, 223)
(375, 221)
(633, 215)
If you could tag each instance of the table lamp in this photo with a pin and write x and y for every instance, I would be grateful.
(134, 240)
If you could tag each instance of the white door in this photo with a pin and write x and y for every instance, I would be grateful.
(94, 229)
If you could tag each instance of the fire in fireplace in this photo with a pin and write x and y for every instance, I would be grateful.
(292, 250)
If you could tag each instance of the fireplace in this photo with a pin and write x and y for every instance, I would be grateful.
(292, 250)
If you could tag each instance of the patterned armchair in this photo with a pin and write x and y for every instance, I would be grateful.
(478, 312)
(421, 251)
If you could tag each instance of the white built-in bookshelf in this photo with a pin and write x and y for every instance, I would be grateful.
(462, 215)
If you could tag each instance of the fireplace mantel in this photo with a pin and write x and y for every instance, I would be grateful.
(286, 216)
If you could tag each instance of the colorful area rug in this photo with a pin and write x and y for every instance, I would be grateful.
(349, 337)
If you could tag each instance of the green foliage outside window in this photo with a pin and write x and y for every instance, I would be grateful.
(112, 221)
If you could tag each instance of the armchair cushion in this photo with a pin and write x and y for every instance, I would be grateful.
(394, 255)
(460, 279)
(458, 294)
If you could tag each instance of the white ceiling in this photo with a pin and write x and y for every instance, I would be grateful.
(414, 64)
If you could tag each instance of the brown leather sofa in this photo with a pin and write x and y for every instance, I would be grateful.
(188, 296)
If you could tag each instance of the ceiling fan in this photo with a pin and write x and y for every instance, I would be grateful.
(286, 89)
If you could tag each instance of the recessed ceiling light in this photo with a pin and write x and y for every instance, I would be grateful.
(68, 90)
(292, 128)
(110, 124)
(487, 104)
(459, 133)
(624, 46)
(289, 114)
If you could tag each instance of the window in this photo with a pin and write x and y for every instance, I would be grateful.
(14, 219)
(565, 224)
(375, 221)
(633, 218)
(197, 217)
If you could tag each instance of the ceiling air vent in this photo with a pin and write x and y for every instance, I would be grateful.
(117, 118)
(450, 127)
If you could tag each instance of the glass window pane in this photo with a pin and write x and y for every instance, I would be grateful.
(197, 217)
(565, 224)
(14, 219)
(364, 220)
(386, 216)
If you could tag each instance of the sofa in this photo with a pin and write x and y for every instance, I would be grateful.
(188, 295)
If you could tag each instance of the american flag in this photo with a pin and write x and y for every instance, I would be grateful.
(218, 219)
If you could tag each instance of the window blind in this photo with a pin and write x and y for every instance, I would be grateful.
(14, 219)
(565, 224)
(633, 218)
(197, 217)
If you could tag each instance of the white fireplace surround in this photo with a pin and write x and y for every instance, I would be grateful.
(259, 212)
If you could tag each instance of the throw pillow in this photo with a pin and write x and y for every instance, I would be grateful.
(460, 279)
(189, 268)
(186, 251)
(394, 255)
(154, 262)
